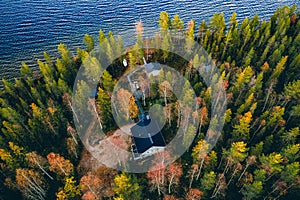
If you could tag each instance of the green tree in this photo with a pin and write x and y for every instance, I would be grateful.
(260, 175)
(295, 112)
(80, 98)
(177, 23)
(64, 65)
(89, 42)
(109, 52)
(25, 70)
(199, 154)
(208, 181)
(278, 69)
(257, 149)
(47, 76)
(227, 42)
(249, 57)
(127, 187)
(272, 163)
(242, 79)
(189, 40)
(8, 158)
(102, 38)
(69, 191)
(132, 60)
(241, 130)
(291, 152)
(217, 26)
(258, 84)
(166, 45)
(247, 104)
(290, 173)
(92, 69)
(107, 81)
(274, 78)
(289, 137)
(252, 190)
(293, 90)
(246, 32)
(236, 153)
(189, 135)
(104, 108)
(164, 21)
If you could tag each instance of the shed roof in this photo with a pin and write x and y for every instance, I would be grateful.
(153, 68)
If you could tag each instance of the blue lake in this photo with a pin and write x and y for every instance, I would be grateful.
(28, 28)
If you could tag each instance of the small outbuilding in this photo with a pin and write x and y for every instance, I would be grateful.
(153, 68)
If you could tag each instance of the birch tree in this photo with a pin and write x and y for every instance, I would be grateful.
(36, 161)
(31, 184)
(59, 165)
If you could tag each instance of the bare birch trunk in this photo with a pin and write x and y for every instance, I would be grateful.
(268, 95)
(199, 172)
(43, 169)
(171, 182)
(242, 174)
(192, 179)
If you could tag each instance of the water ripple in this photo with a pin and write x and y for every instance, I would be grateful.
(28, 28)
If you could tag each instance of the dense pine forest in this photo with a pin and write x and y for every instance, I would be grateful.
(256, 157)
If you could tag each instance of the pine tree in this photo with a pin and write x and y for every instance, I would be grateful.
(290, 173)
(293, 90)
(208, 181)
(164, 21)
(105, 111)
(291, 152)
(177, 23)
(242, 130)
(252, 190)
(272, 163)
(92, 69)
(107, 81)
(89, 42)
(290, 136)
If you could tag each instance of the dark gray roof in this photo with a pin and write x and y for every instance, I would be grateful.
(146, 135)
(150, 67)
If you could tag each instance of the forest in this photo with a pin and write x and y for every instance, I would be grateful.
(256, 157)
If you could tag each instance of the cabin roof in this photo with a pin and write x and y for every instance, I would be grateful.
(146, 134)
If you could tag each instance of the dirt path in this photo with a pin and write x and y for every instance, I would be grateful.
(111, 150)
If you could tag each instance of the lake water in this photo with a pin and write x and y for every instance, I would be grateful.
(28, 28)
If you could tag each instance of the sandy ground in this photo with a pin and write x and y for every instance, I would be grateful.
(112, 150)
